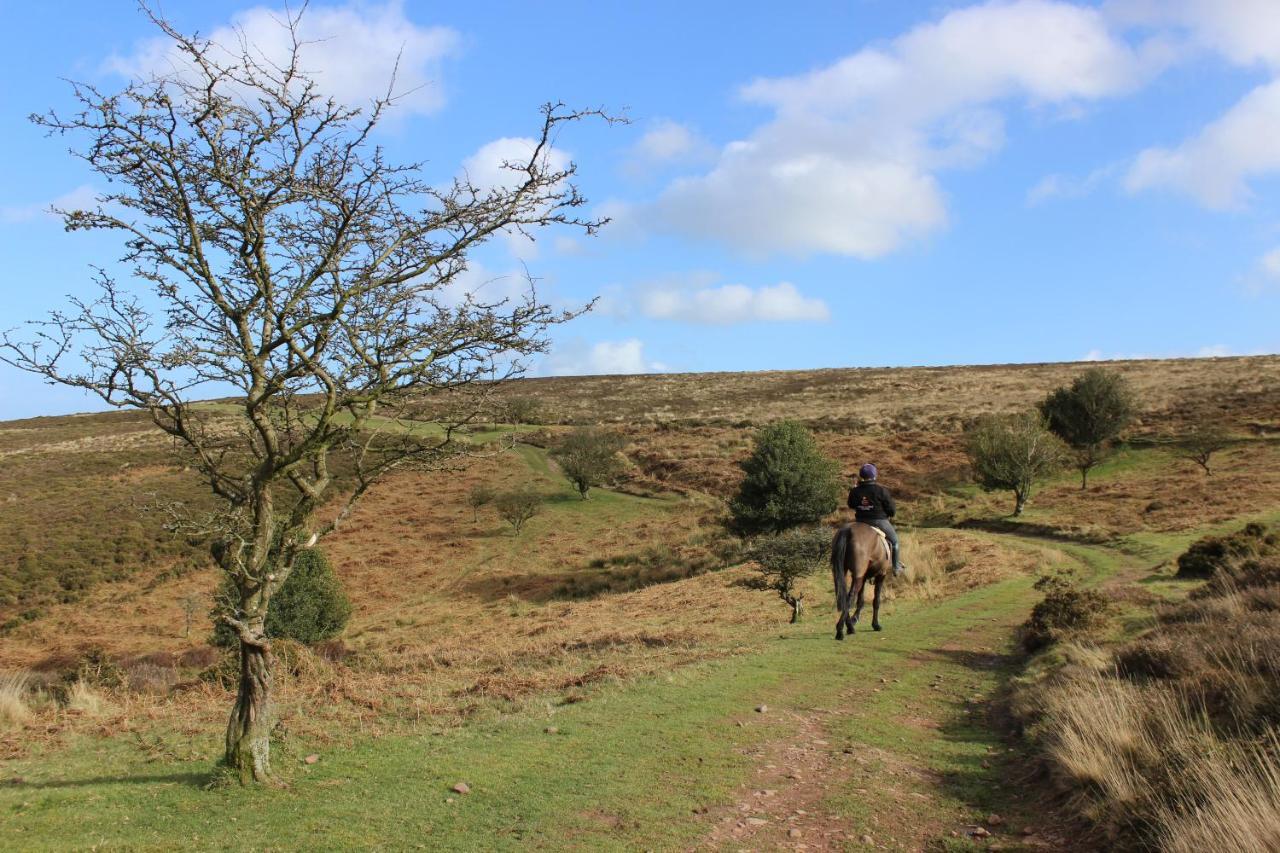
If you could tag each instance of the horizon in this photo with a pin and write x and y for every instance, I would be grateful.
(805, 190)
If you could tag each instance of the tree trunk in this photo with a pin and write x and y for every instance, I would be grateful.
(1019, 501)
(1084, 477)
(795, 609)
(249, 730)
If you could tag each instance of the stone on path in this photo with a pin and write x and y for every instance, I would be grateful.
(760, 709)
(312, 758)
(462, 788)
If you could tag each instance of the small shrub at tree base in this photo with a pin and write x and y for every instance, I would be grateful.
(787, 557)
(589, 457)
(517, 507)
(1065, 612)
(1207, 556)
(309, 607)
(787, 481)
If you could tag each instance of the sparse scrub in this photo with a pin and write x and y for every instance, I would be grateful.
(480, 495)
(589, 457)
(1206, 437)
(524, 410)
(518, 506)
(786, 558)
(85, 699)
(1089, 414)
(787, 481)
(1013, 452)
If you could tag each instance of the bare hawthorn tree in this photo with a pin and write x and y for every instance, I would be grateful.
(275, 250)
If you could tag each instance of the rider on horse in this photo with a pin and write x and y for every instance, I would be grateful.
(872, 504)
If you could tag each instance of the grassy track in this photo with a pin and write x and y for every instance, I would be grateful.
(623, 772)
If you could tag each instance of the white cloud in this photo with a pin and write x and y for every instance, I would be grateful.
(1215, 165)
(351, 51)
(484, 285)
(733, 303)
(1245, 32)
(664, 143)
(848, 163)
(497, 164)
(83, 197)
(1270, 264)
(603, 357)
(1068, 187)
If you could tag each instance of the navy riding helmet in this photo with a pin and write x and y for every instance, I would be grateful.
(867, 472)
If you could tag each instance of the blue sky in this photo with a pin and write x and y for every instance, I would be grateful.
(802, 185)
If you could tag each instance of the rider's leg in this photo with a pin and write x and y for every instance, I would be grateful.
(895, 547)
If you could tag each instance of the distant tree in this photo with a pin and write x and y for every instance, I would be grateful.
(1205, 438)
(787, 481)
(190, 607)
(480, 495)
(310, 606)
(524, 410)
(787, 557)
(1013, 452)
(518, 506)
(589, 457)
(277, 255)
(1090, 413)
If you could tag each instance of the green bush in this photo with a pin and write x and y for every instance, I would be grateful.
(1206, 556)
(1089, 413)
(787, 481)
(311, 605)
(589, 457)
(1065, 612)
(1013, 452)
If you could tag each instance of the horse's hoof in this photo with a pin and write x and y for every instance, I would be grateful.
(876, 627)
(839, 636)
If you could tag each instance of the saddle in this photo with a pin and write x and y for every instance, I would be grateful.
(884, 539)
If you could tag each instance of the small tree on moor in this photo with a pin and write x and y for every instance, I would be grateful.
(1090, 413)
(787, 481)
(589, 457)
(789, 556)
(288, 259)
(1013, 452)
(1205, 438)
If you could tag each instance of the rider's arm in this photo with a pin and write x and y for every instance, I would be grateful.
(890, 508)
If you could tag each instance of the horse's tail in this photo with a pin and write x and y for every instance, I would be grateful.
(839, 555)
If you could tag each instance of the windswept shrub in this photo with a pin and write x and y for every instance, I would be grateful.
(786, 558)
(589, 457)
(311, 605)
(518, 506)
(1206, 556)
(1065, 612)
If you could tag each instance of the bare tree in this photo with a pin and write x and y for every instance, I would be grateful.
(1205, 438)
(275, 250)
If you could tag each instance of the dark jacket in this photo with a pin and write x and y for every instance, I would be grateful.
(871, 502)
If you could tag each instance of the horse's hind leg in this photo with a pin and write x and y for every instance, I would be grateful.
(875, 605)
(857, 613)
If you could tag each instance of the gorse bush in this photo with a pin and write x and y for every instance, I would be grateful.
(1065, 612)
(1206, 556)
(787, 481)
(311, 605)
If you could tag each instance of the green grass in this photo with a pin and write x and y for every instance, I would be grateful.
(624, 772)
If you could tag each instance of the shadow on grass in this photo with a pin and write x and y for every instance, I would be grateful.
(191, 780)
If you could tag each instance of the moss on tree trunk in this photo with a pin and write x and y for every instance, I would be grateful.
(249, 729)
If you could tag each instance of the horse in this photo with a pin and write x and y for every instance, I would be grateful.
(861, 552)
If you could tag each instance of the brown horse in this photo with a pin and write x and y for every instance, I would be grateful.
(859, 552)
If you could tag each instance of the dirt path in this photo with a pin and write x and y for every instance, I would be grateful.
(909, 762)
